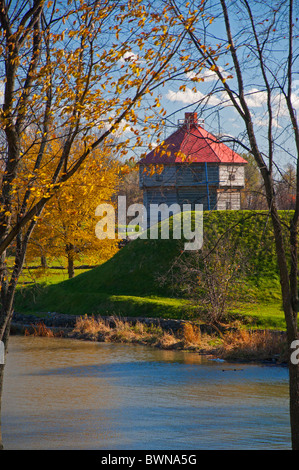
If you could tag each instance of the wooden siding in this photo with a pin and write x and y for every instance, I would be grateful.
(159, 196)
(195, 175)
(228, 200)
(196, 195)
(232, 176)
(166, 178)
(180, 175)
(185, 183)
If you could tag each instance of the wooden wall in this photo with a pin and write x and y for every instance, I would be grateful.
(194, 175)
(231, 175)
(186, 184)
(228, 199)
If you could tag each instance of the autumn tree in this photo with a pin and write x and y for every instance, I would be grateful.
(251, 49)
(66, 229)
(70, 71)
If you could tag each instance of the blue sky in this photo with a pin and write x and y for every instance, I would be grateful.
(208, 99)
(211, 103)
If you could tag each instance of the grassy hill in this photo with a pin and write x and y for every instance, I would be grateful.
(129, 283)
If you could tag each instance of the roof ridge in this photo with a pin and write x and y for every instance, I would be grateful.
(196, 143)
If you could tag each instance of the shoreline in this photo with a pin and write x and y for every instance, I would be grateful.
(156, 332)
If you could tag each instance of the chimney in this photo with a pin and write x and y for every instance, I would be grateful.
(190, 119)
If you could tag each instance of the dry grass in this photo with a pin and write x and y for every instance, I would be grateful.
(234, 345)
(191, 335)
(168, 341)
(254, 345)
(91, 328)
(98, 329)
(120, 331)
(40, 330)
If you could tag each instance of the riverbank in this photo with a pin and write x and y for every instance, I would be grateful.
(227, 342)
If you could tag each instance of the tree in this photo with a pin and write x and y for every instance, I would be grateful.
(251, 48)
(286, 188)
(70, 71)
(129, 185)
(213, 277)
(66, 228)
(253, 196)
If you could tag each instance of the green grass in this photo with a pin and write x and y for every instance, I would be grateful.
(265, 308)
(262, 315)
(128, 284)
(48, 276)
(56, 272)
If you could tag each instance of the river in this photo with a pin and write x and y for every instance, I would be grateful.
(70, 394)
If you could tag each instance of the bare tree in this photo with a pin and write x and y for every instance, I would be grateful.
(286, 188)
(253, 196)
(129, 186)
(212, 278)
(252, 48)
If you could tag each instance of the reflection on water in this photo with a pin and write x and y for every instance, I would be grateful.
(67, 394)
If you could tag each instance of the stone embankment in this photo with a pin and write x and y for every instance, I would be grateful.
(65, 323)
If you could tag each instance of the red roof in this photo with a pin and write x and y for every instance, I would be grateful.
(197, 145)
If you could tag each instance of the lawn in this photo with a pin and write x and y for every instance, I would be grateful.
(264, 311)
(129, 284)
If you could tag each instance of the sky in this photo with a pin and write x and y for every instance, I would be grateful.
(209, 99)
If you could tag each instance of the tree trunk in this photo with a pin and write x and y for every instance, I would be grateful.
(8, 289)
(289, 287)
(70, 266)
(292, 335)
(70, 260)
(294, 404)
(1, 387)
(5, 339)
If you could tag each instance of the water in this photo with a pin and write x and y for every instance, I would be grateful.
(67, 394)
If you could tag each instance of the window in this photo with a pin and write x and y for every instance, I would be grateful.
(232, 177)
(159, 177)
(228, 205)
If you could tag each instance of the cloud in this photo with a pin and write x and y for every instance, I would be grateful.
(295, 100)
(207, 75)
(256, 98)
(190, 97)
(129, 57)
(281, 106)
(264, 122)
